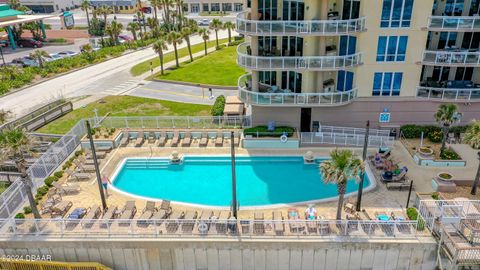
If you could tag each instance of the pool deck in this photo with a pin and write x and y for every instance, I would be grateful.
(378, 199)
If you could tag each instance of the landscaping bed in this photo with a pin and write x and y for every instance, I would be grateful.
(262, 131)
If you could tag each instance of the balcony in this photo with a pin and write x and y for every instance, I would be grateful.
(298, 28)
(288, 99)
(454, 23)
(323, 63)
(449, 94)
(452, 58)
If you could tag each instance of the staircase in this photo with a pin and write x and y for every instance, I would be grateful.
(147, 164)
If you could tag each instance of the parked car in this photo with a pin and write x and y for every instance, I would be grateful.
(203, 22)
(67, 53)
(26, 61)
(146, 10)
(140, 21)
(4, 43)
(30, 42)
(125, 38)
(53, 57)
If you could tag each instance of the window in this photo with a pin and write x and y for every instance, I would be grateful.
(238, 7)
(268, 77)
(215, 7)
(396, 13)
(205, 7)
(195, 8)
(391, 48)
(387, 83)
(226, 6)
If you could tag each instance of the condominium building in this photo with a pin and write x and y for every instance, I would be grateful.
(344, 62)
(205, 6)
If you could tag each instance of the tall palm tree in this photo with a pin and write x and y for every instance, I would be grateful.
(152, 23)
(167, 4)
(216, 25)
(472, 135)
(133, 27)
(205, 34)
(113, 30)
(85, 6)
(155, 4)
(229, 26)
(4, 115)
(343, 166)
(446, 116)
(14, 143)
(186, 32)
(179, 4)
(175, 38)
(159, 46)
(104, 11)
(39, 55)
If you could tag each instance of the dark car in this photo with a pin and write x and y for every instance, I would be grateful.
(4, 43)
(32, 43)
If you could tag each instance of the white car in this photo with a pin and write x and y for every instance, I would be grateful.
(54, 56)
(203, 22)
(67, 53)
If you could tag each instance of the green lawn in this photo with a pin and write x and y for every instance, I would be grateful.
(217, 68)
(125, 106)
(3, 187)
(168, 57)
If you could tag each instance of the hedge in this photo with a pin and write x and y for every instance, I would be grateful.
(218, 106)
(415, 131)
(262, 131)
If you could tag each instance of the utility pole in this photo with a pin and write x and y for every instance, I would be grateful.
(97, 169)
(364, 157)
(234, 179)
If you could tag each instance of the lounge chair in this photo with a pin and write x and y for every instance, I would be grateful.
(52, 199)
(111, 212)
(162, 139)
(296, 225)
(204, 221)
(66, 189)
(258, 223)
(147, 213)
(82, 167)
(349, 208)
(187, 139)
(236, 139)
(152, 138)
(189, 222)
(172, 223)
(400, 177)
(278, 225)
(368, 228)
(219, 139)
(94, 213)
(175, 139)
(61, 208)
(140, 139)
(204, 139)
(163, 212)
(221, 223)
(100, 154)
(125, 139)
(105, 149)
(79, 176)
(399, 185)
(382, 216)
(75, 216)
(128, 211)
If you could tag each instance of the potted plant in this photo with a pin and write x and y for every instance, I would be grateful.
(445, 176)
(425, 151)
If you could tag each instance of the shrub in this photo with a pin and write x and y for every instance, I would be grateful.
(58, 174)
(262, 131)
(435, 136)
(38, 197)
(67, 165)
(412, 213)
(49, 180)
(435, 196)
(449, 154)
(20, 216)
(415, 131)
(78, 153)
(472, 135)
(42, 190)
(218, 106)
(27, 210)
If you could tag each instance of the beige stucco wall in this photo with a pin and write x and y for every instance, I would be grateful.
(368, 41)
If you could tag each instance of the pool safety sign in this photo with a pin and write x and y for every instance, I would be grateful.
(384, 117)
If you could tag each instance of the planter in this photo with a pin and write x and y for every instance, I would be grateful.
(425, 151)
(444, 176)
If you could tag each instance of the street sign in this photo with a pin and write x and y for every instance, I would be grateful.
(384, 117)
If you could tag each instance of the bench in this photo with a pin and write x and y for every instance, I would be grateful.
(398, 185)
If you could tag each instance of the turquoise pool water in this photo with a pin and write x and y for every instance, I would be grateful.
(207, 180)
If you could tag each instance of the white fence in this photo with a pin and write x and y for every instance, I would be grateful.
(448, 211)
(454, 23)
(347, 137)
(246, 228)
(451, 58)
(460, 94)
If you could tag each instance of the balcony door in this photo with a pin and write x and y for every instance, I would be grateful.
(292, 81)
(351, 9)
(267, 9)
(305, 119)
(293, 10)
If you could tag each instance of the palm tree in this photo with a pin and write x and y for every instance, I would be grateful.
(14, 143)
(175, 38)
(186, 32)
(205, 34)
(85, 6)
(343, 166)
(216, 25)
(179, 4)
(472, 135)
(229, 26)
(4, 115)
(446, 116)
(104, 11)
(152, 23)
(155, 4)
(39, 55)
(133, 27)
(167, 4)
(113, 30)
(158, 47)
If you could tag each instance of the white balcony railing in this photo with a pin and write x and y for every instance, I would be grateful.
(454, 23)
(296, 62)
(281, 28)
(451, 58)
(462, 94)
(292, 99)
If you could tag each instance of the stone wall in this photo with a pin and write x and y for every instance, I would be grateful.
(242, 254)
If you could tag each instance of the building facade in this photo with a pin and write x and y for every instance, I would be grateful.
(124, 6)
(344, 62)
(50, 6)
(205, 6)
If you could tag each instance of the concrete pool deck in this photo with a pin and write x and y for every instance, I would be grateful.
(378, 199)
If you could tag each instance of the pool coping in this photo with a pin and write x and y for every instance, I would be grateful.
(371, 177)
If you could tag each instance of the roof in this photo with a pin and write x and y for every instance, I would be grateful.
(25, 19)
(233, 100)
(6, 11)
(233, 109)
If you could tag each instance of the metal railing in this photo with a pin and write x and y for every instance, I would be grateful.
(333, 135)
(454, 23)
(296, 62)
(246, 228)
(26, 264)
(450, 94)
(451, 58)
(299, 28)
(293, 99)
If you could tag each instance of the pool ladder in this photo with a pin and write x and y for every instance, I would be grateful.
(148, 164)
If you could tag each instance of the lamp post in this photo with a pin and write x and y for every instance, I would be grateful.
(364, 157)
(477, 178)
(234, 179)
(97, 169)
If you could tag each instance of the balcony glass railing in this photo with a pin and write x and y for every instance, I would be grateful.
(461, 94)
(292, 99)
(451, 58)
(296, 62)
(454, 23)
(280, 28)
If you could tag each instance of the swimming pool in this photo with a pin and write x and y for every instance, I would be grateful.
(206, 180)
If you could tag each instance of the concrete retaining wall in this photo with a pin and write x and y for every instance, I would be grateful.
(233, 254)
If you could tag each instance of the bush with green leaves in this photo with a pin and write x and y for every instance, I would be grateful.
(472, 135)
(58, 174)
(49, 180)
(218, 106)
(435, 136)
(412, 213)
(78, 153)
(449, 154)
(27, 210)
(42, 190)
(262, 131)
(20, 216)
(415, 131)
